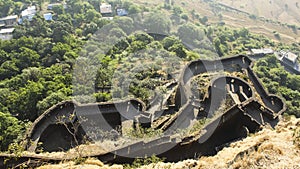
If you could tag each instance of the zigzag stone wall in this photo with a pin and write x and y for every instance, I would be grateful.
(247, 115)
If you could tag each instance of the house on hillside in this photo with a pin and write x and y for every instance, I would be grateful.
(7, 33)
(288, 57)
(28, 13)
(9, 21)
(260, 52)
(105, 9)
(289, 60)
(121, 12)
(48, 16)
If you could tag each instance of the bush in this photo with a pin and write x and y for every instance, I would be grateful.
(143, 161)
(296, 136)
(10, 129)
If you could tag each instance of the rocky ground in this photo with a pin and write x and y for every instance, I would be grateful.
(269, 148)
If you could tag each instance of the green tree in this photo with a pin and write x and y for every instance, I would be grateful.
(58, 9)
(23, 102)
(244, 32)
(27, 58)
(177, 10)
(10, 129)
(59, 50)
(91, 15)
(134, 9)
(157, 23)
(173, 44)
(50, 100)
(190, 34)
(5, 6)
(126, 24)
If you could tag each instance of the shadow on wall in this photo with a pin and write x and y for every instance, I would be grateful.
(247, 115)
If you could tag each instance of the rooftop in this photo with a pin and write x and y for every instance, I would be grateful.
(7, 30)
(291, 56)
(122, 12)
(48, 16)
(9, 17)
(262, 51)
(29, 11)
(105, 8)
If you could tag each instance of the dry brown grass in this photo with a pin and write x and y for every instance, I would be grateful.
(269, 148)
(296, 137)
(261, 8)
(89, 163)
(273, 9)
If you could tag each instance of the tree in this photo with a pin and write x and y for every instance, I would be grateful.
(59, 50)
(204, 20)
(177, 10)
(280, 82)
(23, 102)
(5, 7)
(90, 28)
(60, 29)
(58, 9)
(185, 17)
(103, 78)
(157, 23)
(244, 32)
(91, 14)
(8, 69)
(173, 44)
(27, 58)
(10, 129)
(50, 100)
(134, 9)
(190, 34)
(219, 47)
(126, 24)
(117, 32)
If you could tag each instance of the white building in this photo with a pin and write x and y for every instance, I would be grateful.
(105, 8)
(9, 21)
(6, 34)
(264, 51)
(289, 57)
(28, 13)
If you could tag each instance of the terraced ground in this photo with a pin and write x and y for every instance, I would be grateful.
(285, 11)
(270, 15)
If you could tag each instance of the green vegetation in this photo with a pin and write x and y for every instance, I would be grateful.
(280, 82)
(296, 136)
(236, 41)
(10, 129)
(141, 132)
(139, 162)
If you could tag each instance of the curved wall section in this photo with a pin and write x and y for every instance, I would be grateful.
(247, 114)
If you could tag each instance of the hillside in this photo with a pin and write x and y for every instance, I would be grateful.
(285, 11)
(269, 148)
(261, 17)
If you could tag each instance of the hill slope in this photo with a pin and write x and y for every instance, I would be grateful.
(271, 16)
(285, 11)
(269, 148)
